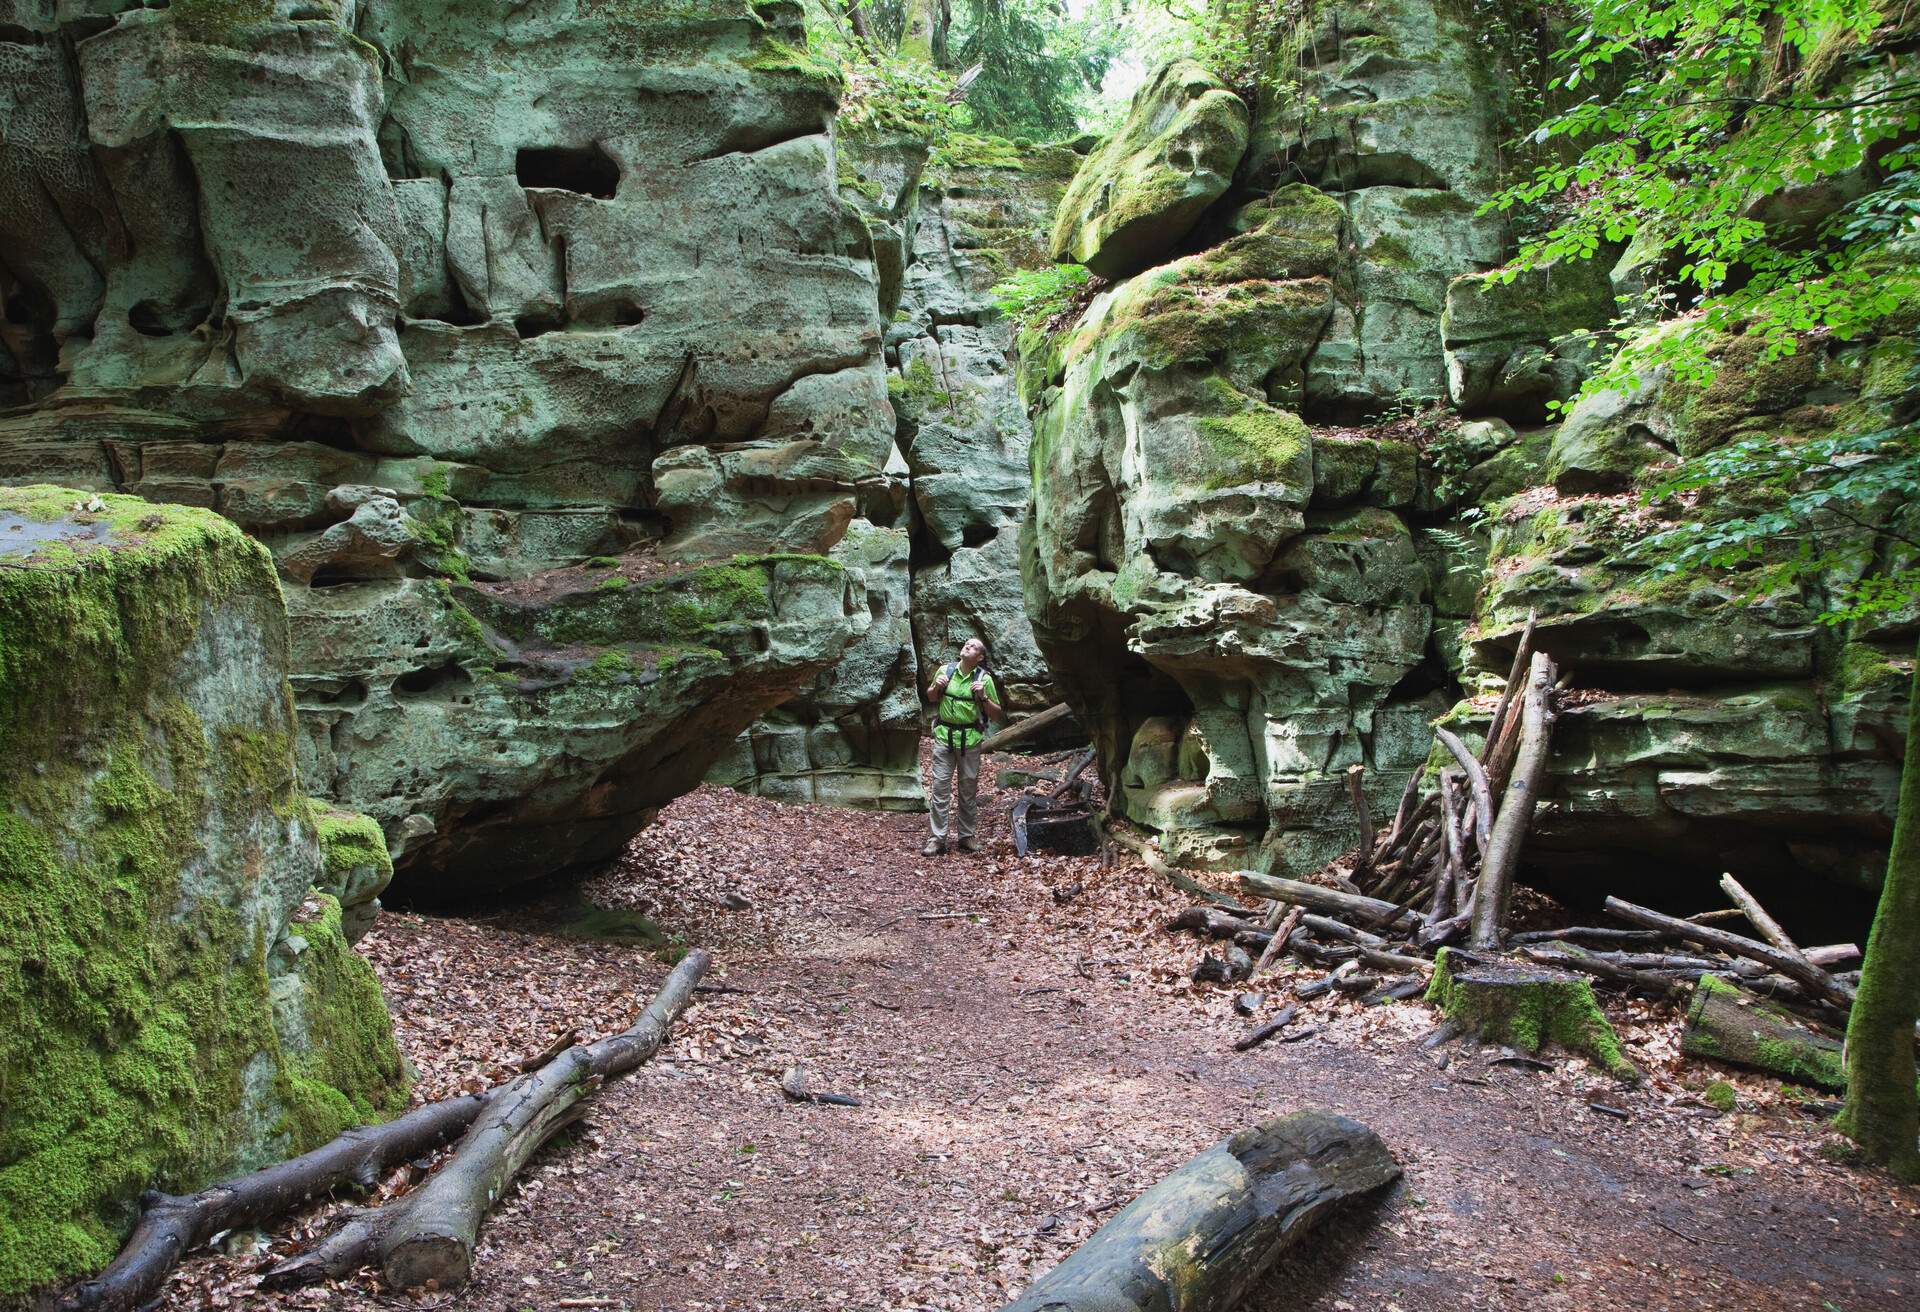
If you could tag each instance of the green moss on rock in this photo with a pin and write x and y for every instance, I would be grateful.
(151, 837)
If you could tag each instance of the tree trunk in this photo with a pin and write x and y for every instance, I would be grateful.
(1510, 827)
(434, 1228)
(1200, 1238)
(1883, 1112)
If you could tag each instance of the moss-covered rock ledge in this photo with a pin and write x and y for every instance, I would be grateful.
(179, 1004)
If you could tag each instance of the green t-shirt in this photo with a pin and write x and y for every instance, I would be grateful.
(958, 721)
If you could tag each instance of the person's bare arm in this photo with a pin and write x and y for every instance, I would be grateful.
(938, 686)
(987, 699)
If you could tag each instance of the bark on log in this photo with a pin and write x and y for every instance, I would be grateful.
(1315, 898)
(172, 1226)
(1728, 1024)
(1211, 921)
(1477, 781)
(433, 1232)
(1033, 724)
(1510, 827)
(1573, 958)
(1259, 1036)
(1522, 656)
(1199, 1239)
(1278, 943)
(1757, 917)
(1357, 793)
(1794, 967)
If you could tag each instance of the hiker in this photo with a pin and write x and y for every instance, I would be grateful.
(963, 694)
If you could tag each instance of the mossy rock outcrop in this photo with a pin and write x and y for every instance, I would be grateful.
(1146, 186)
(1527, 1007)
(425, 296)
(180, 1002)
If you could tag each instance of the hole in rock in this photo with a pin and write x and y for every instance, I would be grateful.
(443, 681)
(530, 326)
(334, 576)
(327, 430)
(145, 320)
(588, 170)
(978, 535)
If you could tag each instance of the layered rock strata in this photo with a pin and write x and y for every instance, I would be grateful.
(1255, 560)
(181, 1002)
(444, 305)
(937, 539)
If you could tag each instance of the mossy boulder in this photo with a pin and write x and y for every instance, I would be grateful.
(1147, 184)
(173, 1014)
(1527, 1007)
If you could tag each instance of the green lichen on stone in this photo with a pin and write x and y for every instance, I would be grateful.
(347, 1071)
(1721, 1096)
(614, 584)
(1546, 1007)
(219, 22)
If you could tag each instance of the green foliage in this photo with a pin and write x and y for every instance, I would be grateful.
(1829, 507)
(988, 69)
(1031, 297)
(1724, 123)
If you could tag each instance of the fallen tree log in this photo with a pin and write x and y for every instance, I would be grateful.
(1316, 898)
(1026, 728)
(1259, 1036)
(1795, 967)
(434, 1229)
(1199, 1239)
(170, 1227)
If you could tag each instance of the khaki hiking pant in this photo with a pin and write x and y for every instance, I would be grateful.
(947, 763)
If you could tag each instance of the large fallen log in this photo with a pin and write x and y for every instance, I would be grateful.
(171, 1226)
(1026, 728)
(1199, 1239)
(434, 1229)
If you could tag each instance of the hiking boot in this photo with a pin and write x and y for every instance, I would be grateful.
(968, 845)
(932, 847)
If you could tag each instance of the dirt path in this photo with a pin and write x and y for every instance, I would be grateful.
(1026, 1067)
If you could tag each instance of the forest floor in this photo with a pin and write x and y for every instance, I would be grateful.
(1030, 1054)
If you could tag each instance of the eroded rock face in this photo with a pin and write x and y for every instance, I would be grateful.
(1752, 735)
(441, 304)
(181, 1002)
(937, 537)
(1248, 575)
(1147, 184)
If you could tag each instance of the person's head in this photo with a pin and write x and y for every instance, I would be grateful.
(972, 652)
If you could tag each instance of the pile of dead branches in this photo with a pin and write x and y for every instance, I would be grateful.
(1443, 872)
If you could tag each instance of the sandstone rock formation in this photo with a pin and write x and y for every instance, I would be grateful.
(437, 302)
(937, 538)
(180, 998)
(1253, 560)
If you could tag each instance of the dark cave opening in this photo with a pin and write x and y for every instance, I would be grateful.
(587, 170)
